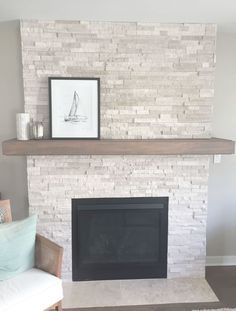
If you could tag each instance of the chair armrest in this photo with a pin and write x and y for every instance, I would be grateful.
(5, 208)
(48, 256)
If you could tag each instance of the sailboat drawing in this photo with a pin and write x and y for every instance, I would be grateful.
(73, 116)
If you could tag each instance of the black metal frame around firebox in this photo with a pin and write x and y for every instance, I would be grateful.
(109, 271)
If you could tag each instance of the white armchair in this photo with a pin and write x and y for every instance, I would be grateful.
(40, 288)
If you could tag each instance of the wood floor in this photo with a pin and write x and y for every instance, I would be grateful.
(221, 279)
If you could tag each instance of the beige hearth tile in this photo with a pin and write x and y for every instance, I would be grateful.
(166, 291)
(136, 292)
(94, 293)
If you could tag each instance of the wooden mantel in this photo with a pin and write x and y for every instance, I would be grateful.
(119, 147)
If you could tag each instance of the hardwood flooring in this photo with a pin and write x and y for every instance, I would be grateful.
(221, 279)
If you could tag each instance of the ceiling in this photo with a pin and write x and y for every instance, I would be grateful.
(220, 12)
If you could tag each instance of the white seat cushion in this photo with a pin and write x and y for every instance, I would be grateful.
(32, 290)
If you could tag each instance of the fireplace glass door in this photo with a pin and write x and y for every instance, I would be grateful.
(119, 238)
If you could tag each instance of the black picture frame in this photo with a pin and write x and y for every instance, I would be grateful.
(52, 80)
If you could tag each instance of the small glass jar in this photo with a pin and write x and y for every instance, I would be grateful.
(38, 130)
(31, 128)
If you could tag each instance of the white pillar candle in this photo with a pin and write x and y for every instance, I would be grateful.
(22, 126)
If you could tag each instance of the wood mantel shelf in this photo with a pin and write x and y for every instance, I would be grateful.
(119, 147)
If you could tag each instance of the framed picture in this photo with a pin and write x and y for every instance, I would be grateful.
(74, 108)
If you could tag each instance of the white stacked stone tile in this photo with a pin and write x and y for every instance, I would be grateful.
(157, 81)
(53, 181)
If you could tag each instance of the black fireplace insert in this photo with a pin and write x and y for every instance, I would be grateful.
(119, 238)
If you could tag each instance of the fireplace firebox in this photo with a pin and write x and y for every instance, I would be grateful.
(119, 238)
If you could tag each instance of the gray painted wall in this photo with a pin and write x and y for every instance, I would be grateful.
(169, 11)
(222, 190)
(12, 169)
(221, 236)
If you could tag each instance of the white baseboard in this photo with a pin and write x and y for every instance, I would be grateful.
(221, 261)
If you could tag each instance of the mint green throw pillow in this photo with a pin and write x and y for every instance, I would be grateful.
(17, 247)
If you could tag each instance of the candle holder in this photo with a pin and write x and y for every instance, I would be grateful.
(38, 130)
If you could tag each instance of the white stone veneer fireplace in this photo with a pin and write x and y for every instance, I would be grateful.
(156, 82)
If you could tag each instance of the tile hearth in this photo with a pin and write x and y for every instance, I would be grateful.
(136, 292)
